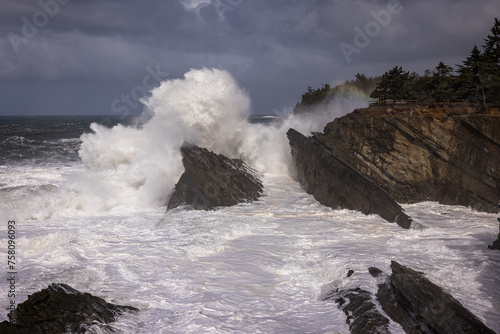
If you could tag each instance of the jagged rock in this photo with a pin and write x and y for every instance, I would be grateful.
(362, 314)
(405, 153)
(399, 310)
(374, 271)
(212, 180)
(420, 306)
(323, 173)
(62, 309)
(496, 243)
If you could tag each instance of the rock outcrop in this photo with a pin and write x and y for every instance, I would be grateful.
(62, 309)
(362, 314)
(324, 173)
(420, 306)
(496, 243)
(211, 180)
(405, 154)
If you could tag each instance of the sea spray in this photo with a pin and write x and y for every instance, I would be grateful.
(135, 167)
(206, 108)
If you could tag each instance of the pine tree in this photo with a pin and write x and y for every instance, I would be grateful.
(423, 87)
(469, 83)
(491, 64)
(395, 84)
(442, 88)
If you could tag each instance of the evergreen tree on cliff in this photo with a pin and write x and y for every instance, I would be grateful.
(443, 90)
(435, 85)
(395, 84)
(470, 82)
(491, 66)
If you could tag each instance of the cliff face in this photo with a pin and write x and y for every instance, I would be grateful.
(212, 180)
(325, 172)
(410, 153)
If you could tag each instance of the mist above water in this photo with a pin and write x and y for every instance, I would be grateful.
(139, 166)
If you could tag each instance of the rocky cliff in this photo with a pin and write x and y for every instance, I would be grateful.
(212, 180)
(405, 154)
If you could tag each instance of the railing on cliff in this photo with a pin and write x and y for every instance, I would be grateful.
(384, 102)
(463, 102)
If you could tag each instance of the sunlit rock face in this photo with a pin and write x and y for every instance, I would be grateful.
(409, 153)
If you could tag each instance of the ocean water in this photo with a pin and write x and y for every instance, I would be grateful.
(88, 196)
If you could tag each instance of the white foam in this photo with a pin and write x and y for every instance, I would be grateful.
(138, 166)
(257, 266)
(254, 267)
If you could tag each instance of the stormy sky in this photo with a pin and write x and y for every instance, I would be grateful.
(77, 57)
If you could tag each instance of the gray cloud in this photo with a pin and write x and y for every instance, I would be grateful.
(97, 50)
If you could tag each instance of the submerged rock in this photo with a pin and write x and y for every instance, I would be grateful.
(62, 309)
(374, 157)
(212, 180)
(420, 306)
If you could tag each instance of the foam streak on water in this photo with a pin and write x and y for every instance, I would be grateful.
(256, 267)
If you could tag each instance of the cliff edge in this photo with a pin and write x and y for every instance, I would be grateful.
(374, 158)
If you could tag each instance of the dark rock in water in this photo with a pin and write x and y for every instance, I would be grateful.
(212, 180)
(350, 273)
(496, 243)
(375, 272)
(324, 173)
(399, 310)
(403, 153)
(362, 314)
(420, 306)
(62, 309)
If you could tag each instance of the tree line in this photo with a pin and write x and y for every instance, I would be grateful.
(477, 79)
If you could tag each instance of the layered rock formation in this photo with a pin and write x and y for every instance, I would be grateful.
(62, 309)
(212, 180)
(362, 314)
(405, 154)
(324, 172)
(420, 306)
(408, 298)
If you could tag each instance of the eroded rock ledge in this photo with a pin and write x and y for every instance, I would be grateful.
(405, 154)
(421, 306)
(408, 298)
(62, 309)
(211, 180)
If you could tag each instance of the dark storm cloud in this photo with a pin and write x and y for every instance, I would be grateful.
(94, 51)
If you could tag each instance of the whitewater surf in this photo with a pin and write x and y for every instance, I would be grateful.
(93, 216)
